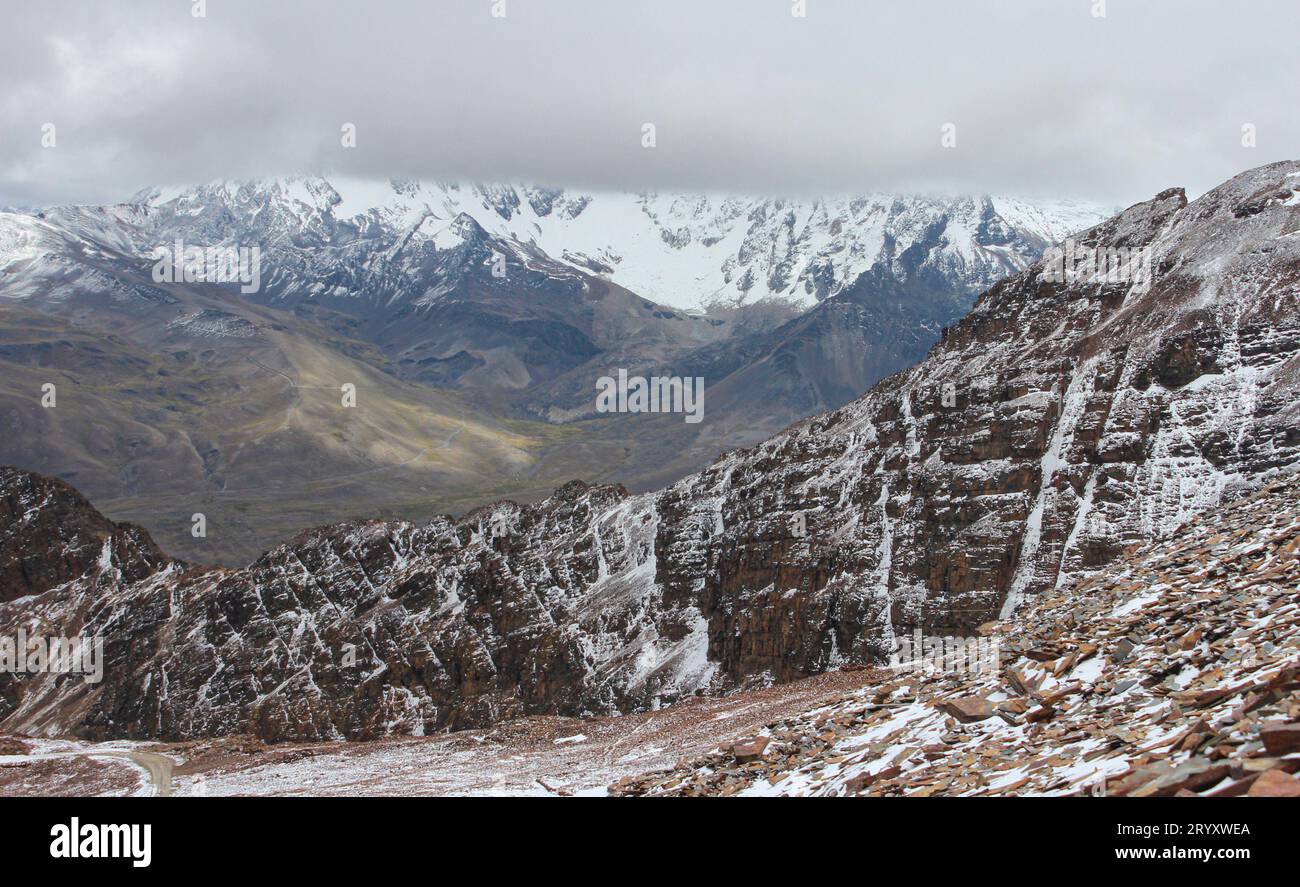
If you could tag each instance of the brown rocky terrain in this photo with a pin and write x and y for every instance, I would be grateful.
(1054, 427)
(50, 535)
(1174, 672)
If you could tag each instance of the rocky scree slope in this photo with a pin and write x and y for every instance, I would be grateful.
(1174, 672)
(1085, 416)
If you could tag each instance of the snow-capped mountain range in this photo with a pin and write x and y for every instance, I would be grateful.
(684, 251)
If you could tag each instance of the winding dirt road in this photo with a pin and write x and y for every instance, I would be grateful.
(159, 768)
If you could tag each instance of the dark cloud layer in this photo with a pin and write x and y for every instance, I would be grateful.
(1046, 98)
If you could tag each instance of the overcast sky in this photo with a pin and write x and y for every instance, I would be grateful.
(1046, 98)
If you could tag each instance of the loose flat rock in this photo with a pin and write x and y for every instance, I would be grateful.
(968, 709)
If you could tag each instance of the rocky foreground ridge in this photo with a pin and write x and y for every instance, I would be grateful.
(1174, 672)
(1058, 424)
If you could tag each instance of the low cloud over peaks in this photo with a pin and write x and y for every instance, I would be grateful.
(744, 96)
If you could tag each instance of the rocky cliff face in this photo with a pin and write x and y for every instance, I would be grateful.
(1055, 425)
(357, 630)
(50, 535)
(1060, 422)
(1173, 672)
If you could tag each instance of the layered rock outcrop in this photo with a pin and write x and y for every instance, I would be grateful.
(1173, 672)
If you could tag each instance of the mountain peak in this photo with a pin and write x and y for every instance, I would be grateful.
(52, 535)
(677, 249)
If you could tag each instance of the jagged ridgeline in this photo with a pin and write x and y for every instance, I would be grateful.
(1059, 423)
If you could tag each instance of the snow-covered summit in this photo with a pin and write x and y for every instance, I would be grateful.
(681, 250)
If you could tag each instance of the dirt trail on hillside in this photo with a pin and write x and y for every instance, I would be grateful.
(84, 768)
